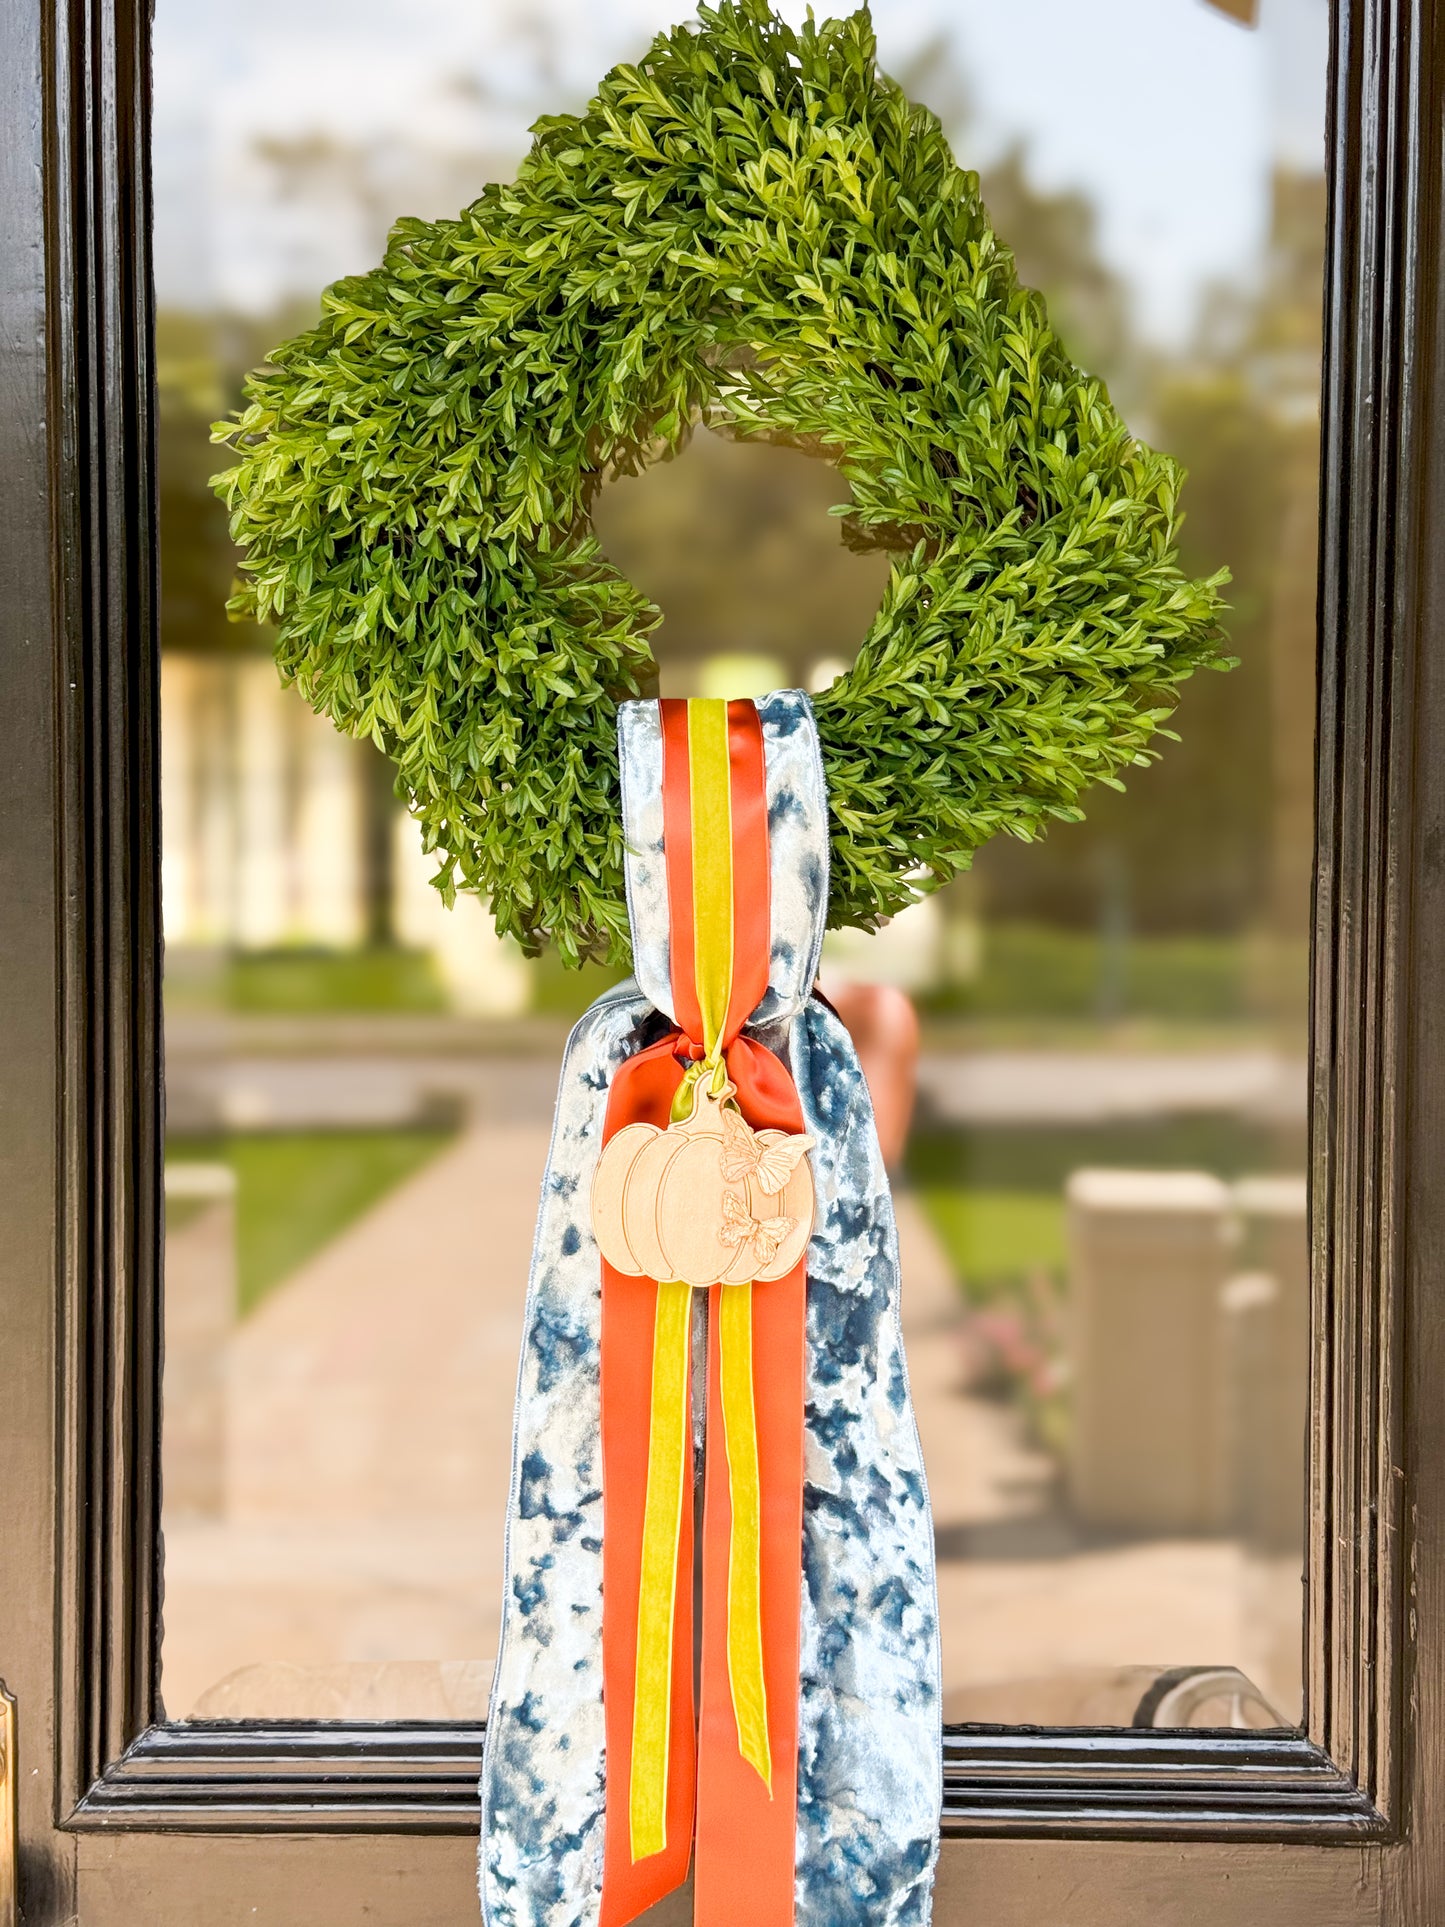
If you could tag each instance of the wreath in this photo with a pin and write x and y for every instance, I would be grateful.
(753, 227)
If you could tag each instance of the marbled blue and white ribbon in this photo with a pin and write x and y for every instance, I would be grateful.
(869, 1770)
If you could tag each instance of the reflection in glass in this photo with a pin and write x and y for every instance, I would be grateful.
(1101, 1200)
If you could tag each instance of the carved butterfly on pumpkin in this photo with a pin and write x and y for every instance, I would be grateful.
(740, 1227)
(745, 1155)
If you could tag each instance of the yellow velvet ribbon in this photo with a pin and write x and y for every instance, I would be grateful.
(667, 1447)
(710, 792)
(745, 1597)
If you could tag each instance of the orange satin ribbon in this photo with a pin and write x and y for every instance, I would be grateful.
(744, 1809)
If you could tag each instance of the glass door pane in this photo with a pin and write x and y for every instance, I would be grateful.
(1101, 1197)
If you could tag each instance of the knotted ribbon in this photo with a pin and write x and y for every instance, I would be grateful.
(739, 1773)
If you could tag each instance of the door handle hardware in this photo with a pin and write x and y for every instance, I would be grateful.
(9, 1814)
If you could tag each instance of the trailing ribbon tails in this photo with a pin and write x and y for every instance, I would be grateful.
(795, 1761)
(742, 1764)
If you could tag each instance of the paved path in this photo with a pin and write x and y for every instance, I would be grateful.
(370, 1409)
(357, 1570)
(1101, 1086)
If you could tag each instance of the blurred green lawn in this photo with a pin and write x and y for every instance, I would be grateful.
(298, 1190)
(308, 981)
(995, 1194)
(1036, 970)
(1032, 979)
(994, 1239)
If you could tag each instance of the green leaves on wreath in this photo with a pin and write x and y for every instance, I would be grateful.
(752, 226)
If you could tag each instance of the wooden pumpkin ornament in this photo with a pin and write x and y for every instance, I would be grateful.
(707, 1201)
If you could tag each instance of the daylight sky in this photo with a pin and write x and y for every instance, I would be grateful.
(1169, 115)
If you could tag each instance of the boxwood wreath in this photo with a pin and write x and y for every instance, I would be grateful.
(754, 227)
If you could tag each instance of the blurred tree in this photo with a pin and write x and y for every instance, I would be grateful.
(1218, 834)
(1284, 353)
(196, 557)
(1055, 242)
(734, 543)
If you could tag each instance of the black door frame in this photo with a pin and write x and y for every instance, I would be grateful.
(81, 1113)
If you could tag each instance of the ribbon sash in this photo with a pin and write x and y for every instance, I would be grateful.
(737, 1770)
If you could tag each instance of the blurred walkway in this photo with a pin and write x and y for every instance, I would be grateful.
(357, 1572)
(1098, 1086)
(370, 1418)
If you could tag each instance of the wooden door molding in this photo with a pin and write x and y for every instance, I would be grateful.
(32, 564)
(1379, 310)
(107, 713)
(1351, 1803)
